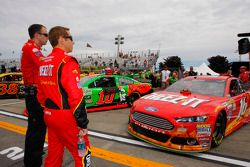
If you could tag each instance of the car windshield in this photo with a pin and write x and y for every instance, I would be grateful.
(199, 86)
(85, 79)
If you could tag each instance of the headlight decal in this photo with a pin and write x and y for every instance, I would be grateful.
(202, 118)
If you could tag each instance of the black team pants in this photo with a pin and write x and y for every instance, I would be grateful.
(36, 131)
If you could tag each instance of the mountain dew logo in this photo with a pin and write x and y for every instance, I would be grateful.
(87, 158)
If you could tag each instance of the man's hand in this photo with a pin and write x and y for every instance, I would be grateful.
(82, 132)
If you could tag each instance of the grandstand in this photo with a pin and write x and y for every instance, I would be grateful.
(131, 60)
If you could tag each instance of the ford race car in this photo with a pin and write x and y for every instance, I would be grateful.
(192, 115)
(10, 85)
(103, 92)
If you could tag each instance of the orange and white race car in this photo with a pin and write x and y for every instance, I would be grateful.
(193, 115)
(10, 85)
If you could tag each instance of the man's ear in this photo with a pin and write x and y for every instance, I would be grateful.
(35, 35)
(61, 40)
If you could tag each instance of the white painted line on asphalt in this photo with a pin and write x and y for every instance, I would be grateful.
(13, 115)
(223, 159)
(200, 155)
(144, 144)
(7, 104)
(120, 139)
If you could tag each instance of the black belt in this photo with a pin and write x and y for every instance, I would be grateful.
(30, 90)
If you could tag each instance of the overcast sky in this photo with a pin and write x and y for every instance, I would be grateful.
(192, 29)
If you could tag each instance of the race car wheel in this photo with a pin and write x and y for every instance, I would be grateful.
(219, 130)
(133, 97)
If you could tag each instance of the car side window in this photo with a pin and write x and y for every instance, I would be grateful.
(17, 78)
(235, 88)
(103, 83)
(8, 78)
(125, 81)
(91, 85)
(108, 82)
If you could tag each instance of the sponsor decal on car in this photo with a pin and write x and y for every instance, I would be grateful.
(87, 92)
(204, 141)
(176, 99)
(122, 94)
(203, 129)
(150, 128)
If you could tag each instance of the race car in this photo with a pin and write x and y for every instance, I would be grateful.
(192, 115)
(10, 85)
(103, 92)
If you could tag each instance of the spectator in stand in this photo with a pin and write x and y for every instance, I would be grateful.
(3, 69)
(165, 73)
(191, 72)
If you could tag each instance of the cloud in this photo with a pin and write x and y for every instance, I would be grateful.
(193, 30)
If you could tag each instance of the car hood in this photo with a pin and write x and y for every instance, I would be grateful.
(171, 104)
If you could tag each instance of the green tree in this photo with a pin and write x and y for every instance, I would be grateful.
(218, 63)
(171, 62)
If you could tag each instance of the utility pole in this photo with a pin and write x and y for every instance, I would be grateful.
(119, 41)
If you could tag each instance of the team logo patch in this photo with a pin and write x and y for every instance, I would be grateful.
(151, 109)
(38, 53)
(75, 71)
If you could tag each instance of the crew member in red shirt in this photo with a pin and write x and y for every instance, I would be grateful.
(244, 74)
(36, 130)
(60, 91)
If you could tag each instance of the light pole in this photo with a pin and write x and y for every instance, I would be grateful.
(119, 41)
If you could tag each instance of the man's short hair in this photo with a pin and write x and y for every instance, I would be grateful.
(243, 67)
(55, 33)
(34, 28)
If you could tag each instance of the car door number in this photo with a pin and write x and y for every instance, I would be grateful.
(243, 107)
(9, 89)
(105, 98)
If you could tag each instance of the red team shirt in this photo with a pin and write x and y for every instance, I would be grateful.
(31, 55)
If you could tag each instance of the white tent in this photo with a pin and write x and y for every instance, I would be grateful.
(203, 69)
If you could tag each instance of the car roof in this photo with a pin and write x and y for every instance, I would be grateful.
(10, 73)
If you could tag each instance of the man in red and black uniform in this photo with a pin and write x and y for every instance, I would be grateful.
(60, 92)
(36, 130)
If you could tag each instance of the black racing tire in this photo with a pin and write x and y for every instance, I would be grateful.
(133, 97)
(219, 130)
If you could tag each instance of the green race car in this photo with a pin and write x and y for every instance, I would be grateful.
(104, 92)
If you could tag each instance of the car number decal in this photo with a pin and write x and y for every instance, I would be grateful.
(106, 98)
(243, 107)
(9, 89)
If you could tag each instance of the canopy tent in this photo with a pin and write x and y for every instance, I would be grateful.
(203, 69)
